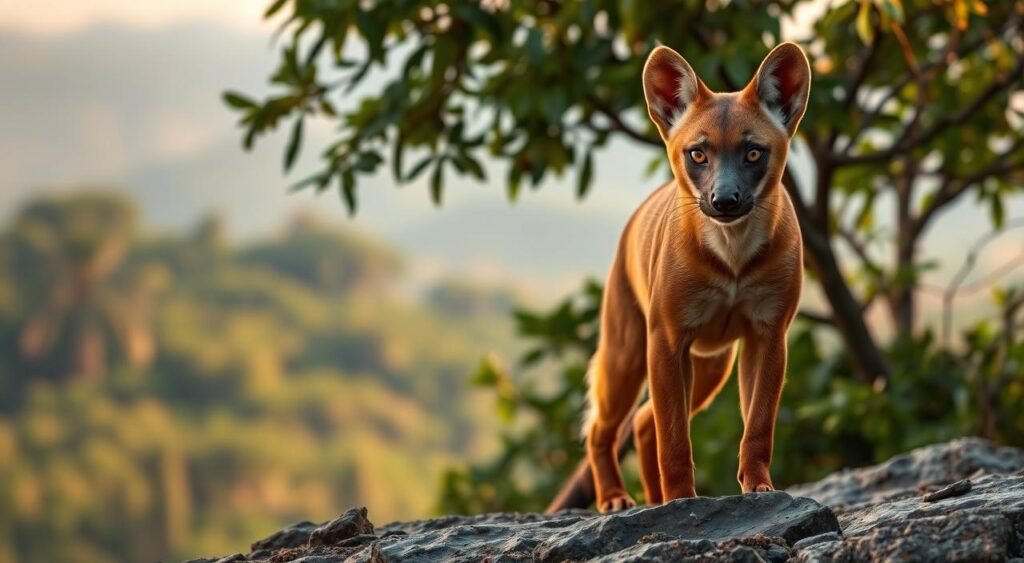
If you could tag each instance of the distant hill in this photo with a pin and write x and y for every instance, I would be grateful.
(170, 394)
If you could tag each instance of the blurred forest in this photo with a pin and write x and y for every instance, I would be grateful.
(169, 395)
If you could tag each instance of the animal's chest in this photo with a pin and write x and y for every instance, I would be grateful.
(722, 309)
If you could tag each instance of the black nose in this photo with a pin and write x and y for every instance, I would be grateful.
(725, 201)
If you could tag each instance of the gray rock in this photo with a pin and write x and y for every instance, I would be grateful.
(715, 519)
(292, 536)
(991, 495)
(670, 550)
(931, 466)
(815, 540)
(682, 528)
(351, 524)
(744, 554)
(956, 537)
(884, 516)
(873, 513)
(320, 559)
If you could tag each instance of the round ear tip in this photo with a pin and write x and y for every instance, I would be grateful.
(788, 46)
(791, 51)
(661, 51)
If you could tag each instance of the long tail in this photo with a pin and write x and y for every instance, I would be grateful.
(578, 491)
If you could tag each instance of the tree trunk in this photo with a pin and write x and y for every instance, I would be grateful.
(868, 362)
(902, 301)
(901, 295)
(848, 316)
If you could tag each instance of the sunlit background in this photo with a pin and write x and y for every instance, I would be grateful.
(246, 357)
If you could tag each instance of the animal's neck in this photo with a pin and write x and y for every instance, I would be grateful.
(736, 243)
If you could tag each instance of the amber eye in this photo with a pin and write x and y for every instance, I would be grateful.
(698, 156)
(753, 155)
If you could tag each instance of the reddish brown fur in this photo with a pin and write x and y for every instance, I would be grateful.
(682, 291)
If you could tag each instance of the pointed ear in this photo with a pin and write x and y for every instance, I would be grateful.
(670, 87)
(783, 84)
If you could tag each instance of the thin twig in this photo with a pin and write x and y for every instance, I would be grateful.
(954, 287)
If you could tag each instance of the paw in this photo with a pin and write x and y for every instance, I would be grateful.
(755, 482)
(616, 503)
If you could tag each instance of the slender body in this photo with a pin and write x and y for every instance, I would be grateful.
(708, 268)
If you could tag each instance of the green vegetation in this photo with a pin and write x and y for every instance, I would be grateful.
(164, 397)
(827, 420)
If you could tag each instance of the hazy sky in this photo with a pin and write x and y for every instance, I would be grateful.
(56, 16)
(126, 94)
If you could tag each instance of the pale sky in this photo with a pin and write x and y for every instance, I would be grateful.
(61, 16)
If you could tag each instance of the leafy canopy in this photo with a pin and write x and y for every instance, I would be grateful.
(537, 85)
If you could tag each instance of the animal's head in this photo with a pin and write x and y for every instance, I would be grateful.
(727, 149)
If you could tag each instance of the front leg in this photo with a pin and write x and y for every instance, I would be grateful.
(671, 385)
(762, 371)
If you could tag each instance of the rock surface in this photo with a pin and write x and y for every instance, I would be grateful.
(884, 515)
(873, 513)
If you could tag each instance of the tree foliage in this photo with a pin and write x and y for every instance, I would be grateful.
(911, 107)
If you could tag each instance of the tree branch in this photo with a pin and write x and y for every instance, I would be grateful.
(815, 317)
(858, 248)
(954, 186)
(923, 71)
(907, 142)
(956, 284)
(618, 124)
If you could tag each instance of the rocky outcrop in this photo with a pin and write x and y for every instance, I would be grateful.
(960, 501)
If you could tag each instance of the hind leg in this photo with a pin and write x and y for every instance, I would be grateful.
(646, 440)
(617, 374)
(709, 375)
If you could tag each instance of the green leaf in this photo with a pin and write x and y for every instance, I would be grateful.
(327, 108)
(348, 190)
(437, 181)
(373, 32)
(515, 181)
(486, 374)
(654, 164)
(367, 161)
(320, 179)
(893, 8)
(996, 211)
(238, 101)
(532, 357)
(468, 164)
(397, 156)
(274, 8)
(506, 409)
(865, 30)
(415, 60)
(583, 185)
(419, 168)
(294, 144)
